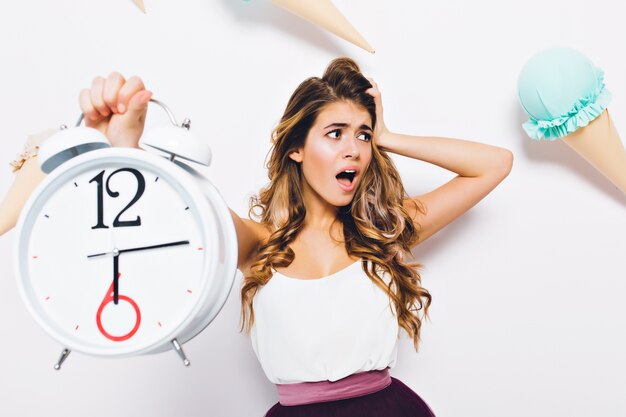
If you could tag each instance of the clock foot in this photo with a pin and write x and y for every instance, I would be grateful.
(62, 359)
(180, 352)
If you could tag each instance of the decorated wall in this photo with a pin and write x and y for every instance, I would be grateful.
(528, 315)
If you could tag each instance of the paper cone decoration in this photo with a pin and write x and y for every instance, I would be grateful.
(139, 4)
(324, 13)
(565, 97)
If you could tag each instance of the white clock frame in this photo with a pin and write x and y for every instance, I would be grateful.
(212, 215)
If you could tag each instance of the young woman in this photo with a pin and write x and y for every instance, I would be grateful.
(325, 255)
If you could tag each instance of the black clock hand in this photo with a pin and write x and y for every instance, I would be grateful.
(162, 245)
(116, 278)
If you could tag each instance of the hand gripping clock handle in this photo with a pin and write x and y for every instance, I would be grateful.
(152, 100)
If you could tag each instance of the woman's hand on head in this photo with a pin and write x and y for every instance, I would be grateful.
(381, 128)
(117, 107)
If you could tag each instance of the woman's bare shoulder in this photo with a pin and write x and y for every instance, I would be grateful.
(262, 230)
(250, 234)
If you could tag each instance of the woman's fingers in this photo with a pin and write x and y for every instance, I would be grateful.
(135, 116)
(131, 87)
(97, 98)
(375, 92)
(109, 96)
(112, 86)
(126, 129)
(92, 115)
(139, 102)
(117, 107)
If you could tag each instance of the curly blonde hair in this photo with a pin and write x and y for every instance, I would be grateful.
(376, 226)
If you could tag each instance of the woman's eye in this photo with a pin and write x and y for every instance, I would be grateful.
(364, 136)
(334, 134)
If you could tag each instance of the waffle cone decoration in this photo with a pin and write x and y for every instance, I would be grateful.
(139, 4)
(600, 145)
(565, 98)
(324, 13)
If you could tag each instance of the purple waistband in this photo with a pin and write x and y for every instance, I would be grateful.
(351, 386)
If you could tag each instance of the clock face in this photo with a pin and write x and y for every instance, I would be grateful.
(113, 255)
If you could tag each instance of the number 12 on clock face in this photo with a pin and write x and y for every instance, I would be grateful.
(116, 254)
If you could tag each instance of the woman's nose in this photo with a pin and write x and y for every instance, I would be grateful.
(351, 149)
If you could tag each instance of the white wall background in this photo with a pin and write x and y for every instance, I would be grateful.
(528, 316)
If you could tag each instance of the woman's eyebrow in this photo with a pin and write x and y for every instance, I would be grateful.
(337, 124)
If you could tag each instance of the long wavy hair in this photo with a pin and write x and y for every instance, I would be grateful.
(376, 226)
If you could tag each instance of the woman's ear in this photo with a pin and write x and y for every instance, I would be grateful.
(296, 155)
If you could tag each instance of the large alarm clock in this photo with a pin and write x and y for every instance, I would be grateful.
(121, 251)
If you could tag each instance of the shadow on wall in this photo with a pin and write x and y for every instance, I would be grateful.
(261, 12)
(560, 154)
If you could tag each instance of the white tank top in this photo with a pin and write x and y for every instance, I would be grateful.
(308, 330)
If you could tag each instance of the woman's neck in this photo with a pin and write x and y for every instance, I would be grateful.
(320, 215)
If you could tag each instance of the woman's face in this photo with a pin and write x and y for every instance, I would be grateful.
(336, 152)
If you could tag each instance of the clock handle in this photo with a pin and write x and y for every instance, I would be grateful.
(186, 122)
(177, 140)
(62, 359)
(180, 352)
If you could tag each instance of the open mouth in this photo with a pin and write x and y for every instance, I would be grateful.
(346, 179)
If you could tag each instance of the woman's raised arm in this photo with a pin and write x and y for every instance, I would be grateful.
(480, 169)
